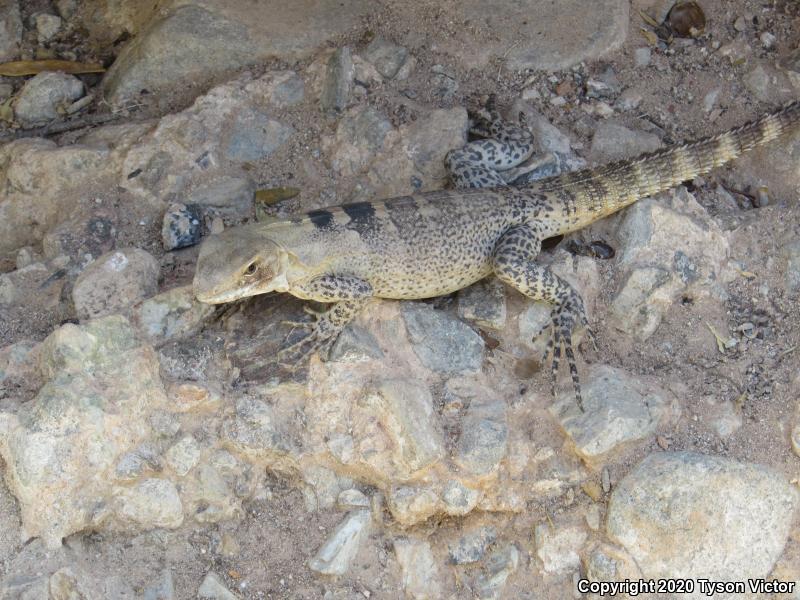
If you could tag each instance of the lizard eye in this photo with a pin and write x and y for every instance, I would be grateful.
(251, 269)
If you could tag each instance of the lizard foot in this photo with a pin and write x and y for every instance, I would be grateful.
(323, 333)
(565, 317)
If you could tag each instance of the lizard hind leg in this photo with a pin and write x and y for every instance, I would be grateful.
(492, 161)
(513, 263)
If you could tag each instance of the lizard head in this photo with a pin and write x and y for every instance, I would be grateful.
(238, 263)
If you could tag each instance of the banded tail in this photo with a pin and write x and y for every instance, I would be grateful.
(592, 194)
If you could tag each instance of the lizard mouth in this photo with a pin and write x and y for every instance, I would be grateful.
(221, 296)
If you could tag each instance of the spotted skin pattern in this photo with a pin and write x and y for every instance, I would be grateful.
(436, 243)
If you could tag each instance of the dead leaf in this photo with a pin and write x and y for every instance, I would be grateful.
(651, 37)
(6, 112)
(20, 68)
(274, 195)
(648, 19)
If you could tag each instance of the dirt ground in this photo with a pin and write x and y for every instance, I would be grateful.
(264, 554)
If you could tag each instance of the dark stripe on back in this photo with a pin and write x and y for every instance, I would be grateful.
(322, 219)
(362, 216)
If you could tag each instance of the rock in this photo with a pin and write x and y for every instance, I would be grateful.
(472, 546)
(670, 247)
(231, 198)
(100, 385)
(171, 315)
(190, 45)
(412, 505)
(64, 585)
(558, 547)
(484, 438)
(550, 42)
(150, 503)
(44, 96)
(256, 430)
(405, 411)
(641, 56)
(212, 588)
(792, 257)
(609, 563)
(740, 24)
(681, 514)
(629, 100)
(419, 575)
(360, 135)
(352, 498)
(338, 80)
(388, 58)
(24, 587)
(773, 167)
(484, 303)
(500, 565)
(183, 456)
(66, 8)
(459, 500)
(613, 142)
(443, 82)
(18, 366)
(10, 30)
(282, 88)
(441, 341)
(114, 282)
(47, 27)
(163, 588)
(618, 410)
(182, 226)
(338, 551)
(254, 135)
(355, 344)
(82, 237)
(770, 84)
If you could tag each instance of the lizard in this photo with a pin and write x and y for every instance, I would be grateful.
(435, 243)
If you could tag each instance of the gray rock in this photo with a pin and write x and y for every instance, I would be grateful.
(618, 410)
(472, 546)
(360, 135)
(232, 198)
(484, 438)
(792, 252)
(212, 588)
(641, 56)
(484, 303)
(18, 365)
(388, 58)
(773, 167)
(405, 408)
(43, 96)
(336, 554)
(355, 344)
(64, 585)
(182, 226)
(255, 429)
(418, 572)
(629, 100)
(286, 89)
(612, 142)
(183, 455)
(254, 135)
(500, 565)
(66, 8)
(599, 89)
(558, 547)
(144, 460)
(10, 30)
(609, 563)
(47, 27)
(352, 498)
(163, 588)
(441, 341)
(338, 83)
(114, 282)
(82, 237)
(411, 505)
(656, 270)
(458, 499)
(171, 315)
(150, 503)
(770, 84)
(25, 587)
(681, 514)
(190, 45)
(550, 42)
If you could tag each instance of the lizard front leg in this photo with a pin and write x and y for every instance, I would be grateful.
(349, 295)
(513, 263)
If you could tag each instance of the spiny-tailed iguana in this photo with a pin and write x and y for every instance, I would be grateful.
(435, 243)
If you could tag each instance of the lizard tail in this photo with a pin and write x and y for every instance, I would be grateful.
(591, 194)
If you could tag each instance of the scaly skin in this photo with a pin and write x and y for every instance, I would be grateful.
(435, 243)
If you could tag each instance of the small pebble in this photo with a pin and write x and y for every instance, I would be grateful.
(740, 24)
(642, 56)
(605, 477)
(767, 40)
(47, 27)
(181, 226)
